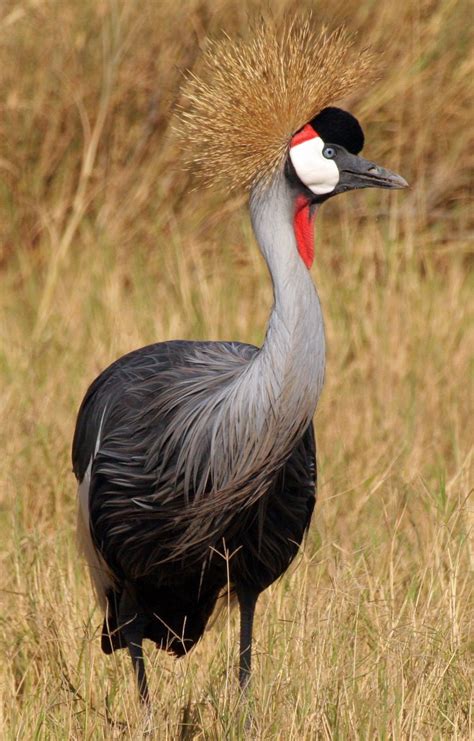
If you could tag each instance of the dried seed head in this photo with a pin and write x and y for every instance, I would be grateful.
(253, 95)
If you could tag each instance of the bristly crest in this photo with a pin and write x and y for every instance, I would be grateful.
(253, 95)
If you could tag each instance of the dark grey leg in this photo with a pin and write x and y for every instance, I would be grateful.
(134, 644)
(132, 627)
(247, 600)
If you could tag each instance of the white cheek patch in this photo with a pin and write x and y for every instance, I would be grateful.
(318, 173)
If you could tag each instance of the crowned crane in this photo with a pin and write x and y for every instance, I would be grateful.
(186, 452)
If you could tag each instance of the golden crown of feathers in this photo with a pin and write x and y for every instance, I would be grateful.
(239, 115)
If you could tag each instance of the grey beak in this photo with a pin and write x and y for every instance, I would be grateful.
(356, 172)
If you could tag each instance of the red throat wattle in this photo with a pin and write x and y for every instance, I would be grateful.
(303, 224)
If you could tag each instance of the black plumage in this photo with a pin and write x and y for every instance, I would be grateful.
(336, 126)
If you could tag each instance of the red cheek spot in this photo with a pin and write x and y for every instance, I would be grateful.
(303, 224)
(304, 135)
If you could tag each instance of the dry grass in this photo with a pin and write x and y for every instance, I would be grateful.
(105, 249)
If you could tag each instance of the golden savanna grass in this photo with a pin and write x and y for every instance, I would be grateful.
(107, 246)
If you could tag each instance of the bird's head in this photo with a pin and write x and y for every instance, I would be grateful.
(324, 159)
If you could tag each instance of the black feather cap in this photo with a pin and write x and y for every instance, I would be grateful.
(336, 126)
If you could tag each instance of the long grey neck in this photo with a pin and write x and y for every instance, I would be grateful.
(258, 409)
(292, 357)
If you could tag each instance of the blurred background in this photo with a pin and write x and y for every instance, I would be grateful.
(106, 244)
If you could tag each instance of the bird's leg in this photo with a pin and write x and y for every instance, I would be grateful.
(247, 600)
(132, 628)
(135, 650)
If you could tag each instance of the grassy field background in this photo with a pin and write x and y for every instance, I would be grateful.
(105, 247)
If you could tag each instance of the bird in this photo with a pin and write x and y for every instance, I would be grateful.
(196, 460)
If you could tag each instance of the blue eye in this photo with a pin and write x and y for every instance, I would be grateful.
(329, 152)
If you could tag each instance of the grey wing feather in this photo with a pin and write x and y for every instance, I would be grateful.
(142, 405)
(153, 494)
(120, 382)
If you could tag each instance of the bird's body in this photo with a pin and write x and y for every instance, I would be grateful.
(196, 460)
(136, 527)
